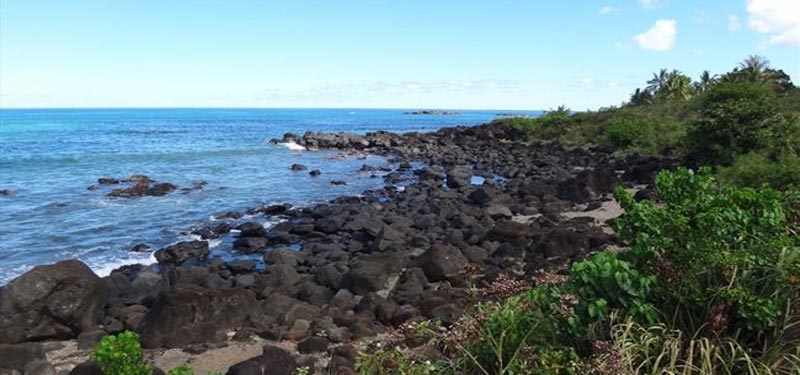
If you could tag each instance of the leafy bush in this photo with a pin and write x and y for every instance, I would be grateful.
(606, 284)
(754, 169)
(735, 118)
(181, 370)
(121, 355)
(621, 134)
(719, 252)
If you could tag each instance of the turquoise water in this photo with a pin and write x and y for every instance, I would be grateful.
(50, 157)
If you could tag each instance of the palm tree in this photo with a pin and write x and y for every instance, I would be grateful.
(754, 68)
(658, 81)
(641, 97)
(677, 87)
(706, 81)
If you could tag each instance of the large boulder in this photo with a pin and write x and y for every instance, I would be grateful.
(374, 273)
(55, 301)
(182, 251)
(441, 262)
(273, 361)
(189, 314)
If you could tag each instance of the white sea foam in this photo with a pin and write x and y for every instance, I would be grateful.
(104, 268)
(294, 146)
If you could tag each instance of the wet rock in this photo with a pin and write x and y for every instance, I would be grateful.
(315, 172)
(139, 179)
(338, 182)
(161, 189)
(250, 245)
(298, 167)
(107, 181)
(140, 248)
(6, 192)
(56, 301)
(251, 229)
(229, 215)
(180, 252)
(458, 177)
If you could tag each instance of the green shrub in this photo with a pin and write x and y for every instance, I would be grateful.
(735, 118)
(605, 284)
(621, 134)
(121, 355)
(718, 252)
(754, 169)
(181, 370)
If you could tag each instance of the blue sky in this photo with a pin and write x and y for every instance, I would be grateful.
(385, 54)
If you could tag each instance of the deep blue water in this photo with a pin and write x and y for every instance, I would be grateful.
(50, 157)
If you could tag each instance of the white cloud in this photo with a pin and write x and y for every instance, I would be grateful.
(660, 37)
(733, 22)
(778, 19)
(608, 9)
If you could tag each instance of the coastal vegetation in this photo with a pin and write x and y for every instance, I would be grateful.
(745, 123)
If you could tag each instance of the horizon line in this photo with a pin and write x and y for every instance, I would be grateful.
(244, 107)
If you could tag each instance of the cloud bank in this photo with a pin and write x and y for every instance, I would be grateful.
(660, 37)
(778, 19)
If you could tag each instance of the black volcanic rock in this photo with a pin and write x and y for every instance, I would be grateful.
(182, 251)
(55, 301)
(189, 314)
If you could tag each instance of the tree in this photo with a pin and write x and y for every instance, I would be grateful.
(756, 69)
(677, 87)
(641, 97)
(705, 82)
(658, 81)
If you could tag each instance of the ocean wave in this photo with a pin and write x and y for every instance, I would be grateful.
(294, 146)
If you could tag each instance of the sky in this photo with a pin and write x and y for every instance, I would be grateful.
(460, 54)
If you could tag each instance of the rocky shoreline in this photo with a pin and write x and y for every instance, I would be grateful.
(484, 206)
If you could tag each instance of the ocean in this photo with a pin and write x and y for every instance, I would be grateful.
(49, 158)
